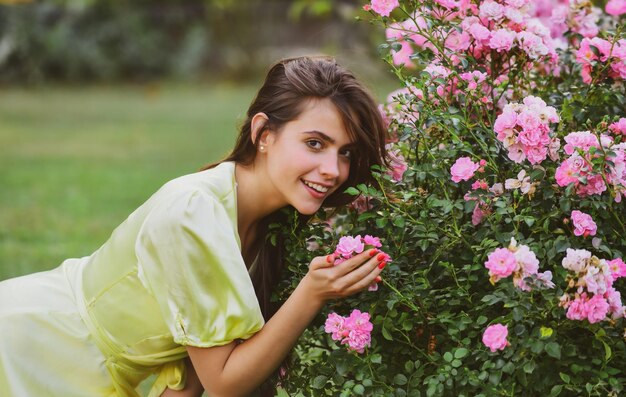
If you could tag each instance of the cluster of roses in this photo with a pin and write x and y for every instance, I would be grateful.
(464, 169)
(354, 330)
(590, 294)
(493, 29)
(524, 130)
(494, 25)
(577, 16)
(496, 28)
(594, 161)
(595, 53)
(520, 262)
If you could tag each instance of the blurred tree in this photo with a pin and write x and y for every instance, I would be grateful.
(103, 40)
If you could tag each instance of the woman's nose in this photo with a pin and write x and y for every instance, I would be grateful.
(329, 168)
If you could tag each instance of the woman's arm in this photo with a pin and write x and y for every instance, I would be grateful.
(237, 369)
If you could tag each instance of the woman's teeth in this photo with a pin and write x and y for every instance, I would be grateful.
(315, 186)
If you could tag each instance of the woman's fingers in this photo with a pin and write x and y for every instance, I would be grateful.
(322, 261)
(362, 276)
(353, 263)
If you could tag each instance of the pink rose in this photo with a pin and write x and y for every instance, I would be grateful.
(372, 241)
(354, 331)
(616, 7)
(577, 309)
(617, 267)
(529, 264)
(619, 127)
(535, 154)
(478, 215)
(403, 55)
(479, 32)
(597, 309)
(576, 260)
(567, 172)
(545, 278)
(595, 185)
(504, 126)
(580, 140)
(349, 245)
(463, 169)
(491, 10)
(494, 337)
(532, 44)
(397, 164)
(361, 204)
(502, 39)
(614, 299)
(583, 224)
(334, 326)
(501, 263)
(458, 41)
(384, 7)
(360, 328)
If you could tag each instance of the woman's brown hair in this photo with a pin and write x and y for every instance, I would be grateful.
(289, 84)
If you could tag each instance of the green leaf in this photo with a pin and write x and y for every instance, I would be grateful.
(399, 221)
(508, 368)
(386, 334)
(280, 392)
(564, 377)
(607, 350)
(546, 332)
(529, 367)
(376, 358)
(359, 389)
(400, 379)
(554, 350)
(319, 382)
(352, 191)
(448, 356)
(381, 222)
(461, 352)
(556, 390)
(536, 347)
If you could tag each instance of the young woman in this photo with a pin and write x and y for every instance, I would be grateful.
(182, 287)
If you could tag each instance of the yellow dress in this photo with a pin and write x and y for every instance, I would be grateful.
(171, 275)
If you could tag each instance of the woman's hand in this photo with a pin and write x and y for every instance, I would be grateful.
(326, 281)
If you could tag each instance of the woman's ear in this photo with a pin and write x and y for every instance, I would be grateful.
(259, 125)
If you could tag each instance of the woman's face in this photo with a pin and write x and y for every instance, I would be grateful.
(309, 157)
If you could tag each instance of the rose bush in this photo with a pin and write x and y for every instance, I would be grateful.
(503, 210)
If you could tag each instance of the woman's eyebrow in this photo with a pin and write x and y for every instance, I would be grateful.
(327, 138)
(320, 134)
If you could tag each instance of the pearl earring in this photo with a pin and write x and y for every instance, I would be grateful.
(261, 148)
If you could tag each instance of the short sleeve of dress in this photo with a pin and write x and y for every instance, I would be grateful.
(189, 259)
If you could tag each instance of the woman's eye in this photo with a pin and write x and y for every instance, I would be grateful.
(347, 153)
(314, 144)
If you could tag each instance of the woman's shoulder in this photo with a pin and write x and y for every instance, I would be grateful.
(217, 183)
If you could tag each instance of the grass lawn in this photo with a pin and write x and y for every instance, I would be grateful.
(74, 162)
